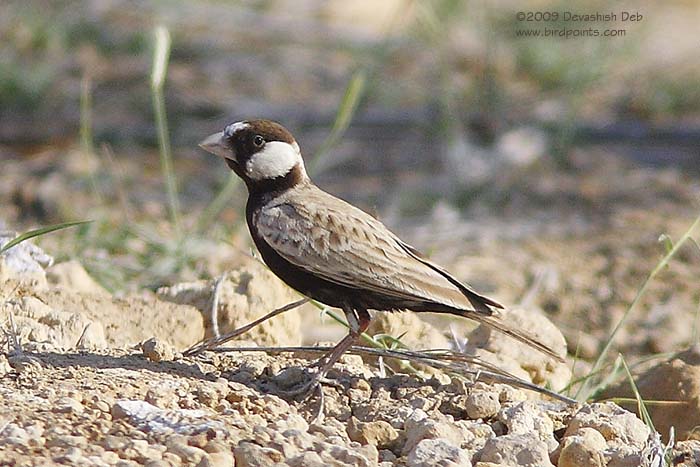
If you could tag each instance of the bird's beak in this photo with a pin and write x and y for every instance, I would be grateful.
(217, 145)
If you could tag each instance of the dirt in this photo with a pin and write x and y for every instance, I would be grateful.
(92, 371)
(116, 407)
(90, 379)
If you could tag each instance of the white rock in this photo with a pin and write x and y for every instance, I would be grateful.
(586, 447)
(38, 322)
(13, 434)
(525, 450)
(619, 427)
(24, 263)
(152, 418)
(482, 404)
(72, 275)
(244, 295)
(426, 428)
(541, 369)
(157, 350)
(529, 418)
(438, 452)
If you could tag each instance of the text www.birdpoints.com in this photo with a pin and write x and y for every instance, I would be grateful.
(568, 25)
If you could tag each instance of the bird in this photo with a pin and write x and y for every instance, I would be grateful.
(333, 252)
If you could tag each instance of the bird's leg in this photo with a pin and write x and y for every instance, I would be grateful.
(358, 320)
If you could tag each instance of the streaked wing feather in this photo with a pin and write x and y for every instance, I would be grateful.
(342, 244)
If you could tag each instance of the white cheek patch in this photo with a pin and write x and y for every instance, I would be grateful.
(275, 160)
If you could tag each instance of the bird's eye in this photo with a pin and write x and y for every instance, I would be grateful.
(258, 141)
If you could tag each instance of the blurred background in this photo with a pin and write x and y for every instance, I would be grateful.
(543, 170)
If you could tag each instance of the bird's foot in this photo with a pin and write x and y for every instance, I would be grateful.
(313, 386)
(312, 383)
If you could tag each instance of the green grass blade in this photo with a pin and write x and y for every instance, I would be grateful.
(647, 402)
(641, 406)
(161, 56)
(38, 232)
(640, 293)
(214, 208)
(343, 117)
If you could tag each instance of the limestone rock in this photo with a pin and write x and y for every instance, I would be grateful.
(72, 275)
(36, 321)
(438, 452)
(523, 450)
(416, 333)
(585, 447)
(482, 404)
(377, 433)
(244, 295)
(542, 370)
(157, 350)
(24, 263)
(419, 427)
(132, 319)
(619, 427)
(677, 379)
(529, 418)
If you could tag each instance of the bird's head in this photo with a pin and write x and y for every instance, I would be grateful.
(259, 151)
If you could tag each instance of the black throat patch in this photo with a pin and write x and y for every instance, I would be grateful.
(274, 186)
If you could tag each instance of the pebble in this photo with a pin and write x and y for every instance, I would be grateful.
(378, 433)
(217, 459)
(68, 405)
(428, 428)
(13, 434)
(251, 455)
(172, 459)
(306, 459)
(70, 457)
(529, 418)
(585, 447)
(114, 443)
(126, 463)
(523, 450)
(158, 463)
(437, 452)
(189, 454)
(110, 457)
(618, 426)
(481, 404)
(157, 350)
(66, 441)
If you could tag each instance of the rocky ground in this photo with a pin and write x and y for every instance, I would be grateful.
(91, 379)
(562, 227)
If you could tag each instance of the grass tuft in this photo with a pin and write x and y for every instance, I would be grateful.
(584, 392)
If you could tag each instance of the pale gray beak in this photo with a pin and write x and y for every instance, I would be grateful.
(217, 145)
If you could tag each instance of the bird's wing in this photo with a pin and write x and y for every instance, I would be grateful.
(340, 243)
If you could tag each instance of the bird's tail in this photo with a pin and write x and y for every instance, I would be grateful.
(495, 322)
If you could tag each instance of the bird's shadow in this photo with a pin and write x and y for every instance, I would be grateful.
(130, 361)
(136, 361)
